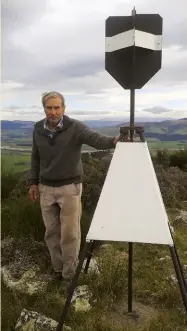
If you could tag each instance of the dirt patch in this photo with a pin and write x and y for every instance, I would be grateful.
(119, 317)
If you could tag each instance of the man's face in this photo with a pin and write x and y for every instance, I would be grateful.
(54, 110)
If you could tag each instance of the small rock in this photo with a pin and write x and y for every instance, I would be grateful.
(165, 258)
(82, 291)
(82, 305)
(106, 246)
(185, 267)
(173, 279)
(182, 217)
(93, 267)
(33, 321)
(81, 298)
(172, 229)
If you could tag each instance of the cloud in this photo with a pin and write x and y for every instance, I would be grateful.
(111, 115)
(19, 14)
(60, 45)
(174, 14)
(157, 110)
(9, 85)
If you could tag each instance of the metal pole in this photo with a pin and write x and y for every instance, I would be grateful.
(132, 110)
(130, 278)
(72, 289)
(132, 91)
(181, 271)
(132, 107)
(177, 256)
(89, 256)
(179, 276)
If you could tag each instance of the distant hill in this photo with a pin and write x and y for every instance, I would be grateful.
(167, 127)
(159, 126)
(21, 125)
(164, 127)
(16, 125)
(169, 130)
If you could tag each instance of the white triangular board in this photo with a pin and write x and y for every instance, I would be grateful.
(130, 207)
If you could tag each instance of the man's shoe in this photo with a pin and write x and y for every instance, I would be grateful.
(57, 276)
(65, 285)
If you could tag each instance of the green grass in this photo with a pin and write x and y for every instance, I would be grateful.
(154, 129)
(20, 161)
(166, 145)
(27, 218)
(151, 285)
(15, 162)
(13, 303)
(180, 131)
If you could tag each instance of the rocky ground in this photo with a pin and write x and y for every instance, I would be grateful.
(32, 302)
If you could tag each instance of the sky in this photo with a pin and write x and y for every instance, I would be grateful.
(59, 45)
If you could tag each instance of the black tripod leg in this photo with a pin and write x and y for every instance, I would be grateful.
(179, 263)
(91, 248)
(130, 278)
(179, 275)
(142, 138)
(181, 270)
(72, 289)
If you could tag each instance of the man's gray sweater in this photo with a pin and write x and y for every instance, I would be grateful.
(57, 161)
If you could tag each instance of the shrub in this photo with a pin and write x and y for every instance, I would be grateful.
(179, 159)
(8, 181)
(95, 171)
(21, 188)
(22, 218)
(173, 185)
(171, 159)
(162, 157)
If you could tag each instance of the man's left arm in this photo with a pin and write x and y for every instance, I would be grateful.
(94, 139)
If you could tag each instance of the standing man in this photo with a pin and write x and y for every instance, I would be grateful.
(56, 174)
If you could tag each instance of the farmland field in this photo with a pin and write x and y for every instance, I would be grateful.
(17, 161)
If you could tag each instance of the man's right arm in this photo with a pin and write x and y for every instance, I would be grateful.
(35, 164)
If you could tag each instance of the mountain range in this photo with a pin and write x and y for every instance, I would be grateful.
(168, 130)
(161, 126)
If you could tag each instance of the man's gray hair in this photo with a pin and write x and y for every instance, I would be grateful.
(53, 94)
